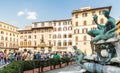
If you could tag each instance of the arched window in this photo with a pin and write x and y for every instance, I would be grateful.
(64, 36)
(59, 43)
(59, 29)
(25, 43)
(102, 21)
(2, 38)
(59, 36)
(54, 36)
(21, 43)
(65, 28)
(64, 43)
(70, 43)
(85, 23)
(29, 43)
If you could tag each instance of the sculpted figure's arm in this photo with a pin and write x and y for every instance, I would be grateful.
(95, 20)
(114, 26)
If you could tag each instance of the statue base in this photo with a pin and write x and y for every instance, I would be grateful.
(81, 71)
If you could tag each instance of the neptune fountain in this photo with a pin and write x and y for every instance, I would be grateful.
(105, 45)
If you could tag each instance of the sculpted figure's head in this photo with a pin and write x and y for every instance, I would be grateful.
(74, 47)
(105, 13)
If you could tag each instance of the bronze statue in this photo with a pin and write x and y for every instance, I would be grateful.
(103, 32)
(79, 56)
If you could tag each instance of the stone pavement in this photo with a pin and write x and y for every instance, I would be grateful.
(66, 69)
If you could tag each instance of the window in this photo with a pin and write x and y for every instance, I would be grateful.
(35, 24)
(42, 24)
(59, 36)
(64, 43)
(10, 39)
(76, 38)
(25, 43)
(70, 35)
(84, 14)
(84, 43)
(55, 36)
(69, 28)
(29, 36)
(54, 23)
(21, 37)
(49, 42)
(0, 25)
(102, 21)
(64, 36)
(42, 49)
(59, 29)
(2, 38)
(84, 38)
(84, 23)
(59, 23)
(21, 43)
(93, 22)
(59, 43)
(54, 43)
(76, 24)
(49, 35)
(84, 30)
(29, 43)
(2, 32)
(34, 43)
(93, 13)
(69, 43)
(49, 49)
(65, 23)
(55, 29)
(65, 28)
(6, 38)
(100, 12)
(34, 36)
(75, 31)
(76, 15)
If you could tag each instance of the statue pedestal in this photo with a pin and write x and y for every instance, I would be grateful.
(81, 71)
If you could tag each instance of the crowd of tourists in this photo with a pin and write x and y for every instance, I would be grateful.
(10, 56)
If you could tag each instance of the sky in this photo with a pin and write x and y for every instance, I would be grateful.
(23, 13)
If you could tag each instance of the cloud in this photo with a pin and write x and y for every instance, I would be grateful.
(20, 13)
(31, 15)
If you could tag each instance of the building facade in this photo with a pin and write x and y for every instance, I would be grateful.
(118, 30)
(82, 20)
(8, 37)
(61, 35)
(37, 37)
(47, 36)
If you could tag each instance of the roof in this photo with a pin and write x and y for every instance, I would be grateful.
(9, 24)
(53, 21)
(80, 11)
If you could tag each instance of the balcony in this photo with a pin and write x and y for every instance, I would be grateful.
(45, 45)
